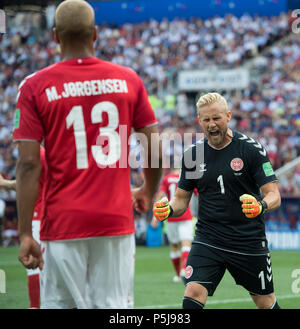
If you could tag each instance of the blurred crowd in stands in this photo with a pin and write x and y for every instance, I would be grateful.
(268, 110)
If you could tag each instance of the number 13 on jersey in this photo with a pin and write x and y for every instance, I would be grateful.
(75, 118)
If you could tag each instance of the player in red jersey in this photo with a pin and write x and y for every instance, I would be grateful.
(180, 230)
(33, 274)
(84, 109)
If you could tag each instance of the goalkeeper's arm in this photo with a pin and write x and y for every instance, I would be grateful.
(164, 209)
(252, 207)
(271, 195)
(180, 202)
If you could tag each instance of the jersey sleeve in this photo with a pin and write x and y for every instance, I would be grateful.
(260, 165)
(143, 114)
(27, 124)
(187, 178)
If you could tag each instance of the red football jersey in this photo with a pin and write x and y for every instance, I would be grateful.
(168, 186)
(84, 109)
(39, 205)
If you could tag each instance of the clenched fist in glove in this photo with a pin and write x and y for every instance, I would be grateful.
(162, 210)
(251, 207)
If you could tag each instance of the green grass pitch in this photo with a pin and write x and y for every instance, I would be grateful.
(154, 288)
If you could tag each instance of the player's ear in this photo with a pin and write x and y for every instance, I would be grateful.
(56, 36)
(95, 35)
(198, 120)
(228, 116)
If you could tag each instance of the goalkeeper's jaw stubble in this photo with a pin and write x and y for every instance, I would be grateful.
(217, 139)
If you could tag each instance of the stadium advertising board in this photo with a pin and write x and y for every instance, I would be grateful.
(283, 240)
(213, 80)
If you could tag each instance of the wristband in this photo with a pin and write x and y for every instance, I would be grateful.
(264, 206)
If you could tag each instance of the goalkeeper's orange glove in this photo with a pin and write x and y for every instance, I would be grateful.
(251, 207)
(162, 210)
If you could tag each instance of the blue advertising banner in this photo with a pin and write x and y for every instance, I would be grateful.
(136, 11)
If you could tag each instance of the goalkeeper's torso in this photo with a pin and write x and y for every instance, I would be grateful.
(225, 174)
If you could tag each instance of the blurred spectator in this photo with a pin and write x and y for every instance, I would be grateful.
(2, 211)
(273, 223)
(290, 183)
(140, 223)
(284, 224)
(9, 232)
(293, 222)
(10, 226)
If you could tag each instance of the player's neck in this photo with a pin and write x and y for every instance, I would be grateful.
(72, 53)
(229, 134)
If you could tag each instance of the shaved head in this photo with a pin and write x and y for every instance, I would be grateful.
(75, 21)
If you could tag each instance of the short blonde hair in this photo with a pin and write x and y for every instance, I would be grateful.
(209, 99)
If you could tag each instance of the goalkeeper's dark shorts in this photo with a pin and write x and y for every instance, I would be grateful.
(206, 265)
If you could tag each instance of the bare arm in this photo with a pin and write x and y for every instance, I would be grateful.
(28, 183)
(271, 195)
(7, 183)
(143, 197)
(180, 202)
(28, 175)
(153, 171)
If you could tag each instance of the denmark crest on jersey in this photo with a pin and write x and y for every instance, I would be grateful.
(237, 164)
(188, 272)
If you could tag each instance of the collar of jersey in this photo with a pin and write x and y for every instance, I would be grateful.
(233, 135)
(214, 148)
(84, 60)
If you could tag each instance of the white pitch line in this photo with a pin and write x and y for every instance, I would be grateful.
(221, 301)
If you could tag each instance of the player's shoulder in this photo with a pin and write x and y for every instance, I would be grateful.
(121, 69)
(194, 154)
(28, 84)
(249, 143)
(37, 76)
(243, 138)
(194, 147)
(26, 79)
